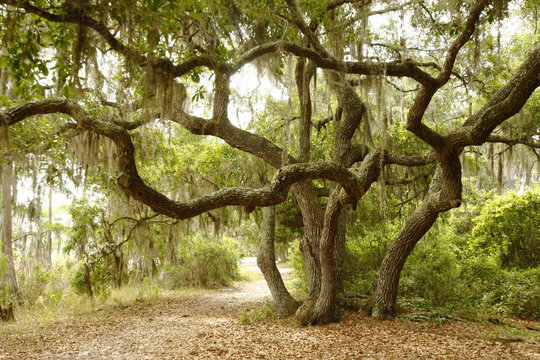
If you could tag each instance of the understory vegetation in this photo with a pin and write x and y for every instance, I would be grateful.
(462, 265)
(205, 263)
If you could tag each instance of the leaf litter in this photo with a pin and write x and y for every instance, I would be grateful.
(205, 325)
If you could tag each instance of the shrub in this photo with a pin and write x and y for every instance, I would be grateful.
(364, 254)
(431, 276)
(204, 263)
(299, 275)
(508, 228)
(510, 292)
(41, 285)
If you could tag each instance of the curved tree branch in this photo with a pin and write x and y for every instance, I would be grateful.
(423, 99)
(275, 193)
(506, 102)
(513, 141)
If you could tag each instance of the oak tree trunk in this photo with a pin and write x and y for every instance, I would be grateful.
(118, 265)
(312, 218)
(339, 251)
(87, 281)
(387, 287)
(325, 308)
(285, 304)
(444, 194)
(6, 313)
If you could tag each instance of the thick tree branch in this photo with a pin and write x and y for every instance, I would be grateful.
(513, 141)
(398, 68)
(130, 181)
(506, 102)
(240, 139)
(423, 99)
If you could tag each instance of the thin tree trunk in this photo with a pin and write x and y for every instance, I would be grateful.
(39, 245)
(87, 281)
(7, 233)
(285, 304)
(48, 250)
(171, 246)
(7, 313)
(59, 246)
(119, 265)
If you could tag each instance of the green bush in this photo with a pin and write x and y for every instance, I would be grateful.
(204, 263)
(508, 228)
(296, 260)
(365, 251)
(431, 276)
(41, 285)
(258, 314)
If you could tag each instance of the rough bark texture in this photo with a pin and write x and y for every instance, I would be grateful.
(285, 304)
(340, 250)
(444, 194)
(309, 204)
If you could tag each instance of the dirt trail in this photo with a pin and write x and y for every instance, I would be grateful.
(204, 325)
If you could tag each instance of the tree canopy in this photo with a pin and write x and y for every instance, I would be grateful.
(355, 93)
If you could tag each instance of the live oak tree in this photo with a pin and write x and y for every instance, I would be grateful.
(122, 65)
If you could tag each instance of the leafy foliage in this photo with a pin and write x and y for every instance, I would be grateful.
(508, 228)
(204, 263)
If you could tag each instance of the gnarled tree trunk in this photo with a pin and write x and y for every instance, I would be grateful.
(285, 304)
(444, 194)
(312, 218)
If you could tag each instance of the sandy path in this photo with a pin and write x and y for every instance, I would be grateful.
(204, 325)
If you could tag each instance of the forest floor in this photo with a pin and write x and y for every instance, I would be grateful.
(206, 324)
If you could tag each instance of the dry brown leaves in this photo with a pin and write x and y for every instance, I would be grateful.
(205, 326)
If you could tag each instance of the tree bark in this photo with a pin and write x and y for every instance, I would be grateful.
(87, 281)
(339, 251)
(387, 287)
(118, 265)
(7, 233)
(325, 308)
(7, 313)
(312, 217)
(444, 194)
(285, 304)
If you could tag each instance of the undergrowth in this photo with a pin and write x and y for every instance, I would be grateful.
(260, 313)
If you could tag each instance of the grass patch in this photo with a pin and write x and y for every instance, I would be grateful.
(250, 273)
(263, 312)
